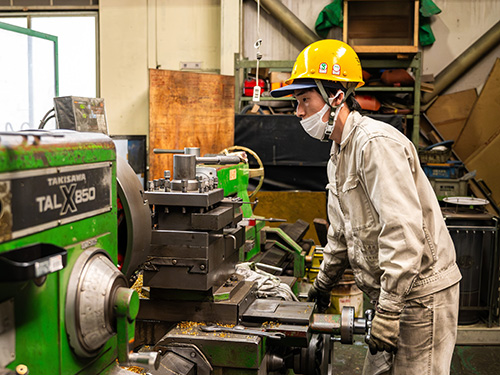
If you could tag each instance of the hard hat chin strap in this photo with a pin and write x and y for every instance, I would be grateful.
(333, 109)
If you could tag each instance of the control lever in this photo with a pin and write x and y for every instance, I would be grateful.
(127, 307)
(369, 314)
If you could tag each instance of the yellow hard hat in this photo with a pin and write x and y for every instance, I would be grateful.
(326, 60)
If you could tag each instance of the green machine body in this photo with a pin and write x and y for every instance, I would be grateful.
(61, 291)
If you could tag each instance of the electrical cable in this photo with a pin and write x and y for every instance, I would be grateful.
(44, 119)
(42, 124)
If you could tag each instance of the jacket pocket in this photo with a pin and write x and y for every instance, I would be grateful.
(354, 199)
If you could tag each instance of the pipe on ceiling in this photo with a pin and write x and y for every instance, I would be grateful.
(290, 21)
(462, 63)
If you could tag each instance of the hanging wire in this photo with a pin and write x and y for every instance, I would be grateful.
(258, 43)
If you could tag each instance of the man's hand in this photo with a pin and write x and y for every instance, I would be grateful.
(320, 296)
(385, 332)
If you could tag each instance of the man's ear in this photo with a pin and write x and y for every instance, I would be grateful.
(339, 98)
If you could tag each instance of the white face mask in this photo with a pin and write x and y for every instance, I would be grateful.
(314, 124)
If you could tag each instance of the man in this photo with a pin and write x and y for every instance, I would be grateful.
(385, 221)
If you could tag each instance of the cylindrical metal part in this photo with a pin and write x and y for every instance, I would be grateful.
(268, 267)
(347, 325)
(464, 62)
(163, 151)
(325, 323)
(192, 151)
(184, 167)
(359, 326)
(290, 21)
(219, 159)
(147, 359)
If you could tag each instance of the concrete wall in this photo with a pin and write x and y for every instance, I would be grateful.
(136, 35)
(123, 29)
(459, 25)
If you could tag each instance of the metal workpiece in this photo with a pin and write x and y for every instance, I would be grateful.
(344, 325)
(90, 302)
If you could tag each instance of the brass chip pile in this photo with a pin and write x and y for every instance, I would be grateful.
(135, 369)
(191, 328)
(138, 286)
(271, 325)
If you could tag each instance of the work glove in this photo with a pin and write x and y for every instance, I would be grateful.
(384, 332)
(320, 296)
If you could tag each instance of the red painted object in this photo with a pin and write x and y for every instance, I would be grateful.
(250, 84)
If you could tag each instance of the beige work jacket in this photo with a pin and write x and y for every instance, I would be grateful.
(385, 220)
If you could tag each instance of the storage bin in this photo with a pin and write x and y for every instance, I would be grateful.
(443, 170)
(449, 187)
(438, 156)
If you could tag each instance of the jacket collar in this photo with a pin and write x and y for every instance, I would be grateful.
(350, 125)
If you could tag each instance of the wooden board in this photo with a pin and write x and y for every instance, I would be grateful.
(449, 112)
(482, 125)
(188, 110)
(486, 163)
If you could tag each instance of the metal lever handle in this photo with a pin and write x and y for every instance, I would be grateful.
(369, 314)
(244, 331)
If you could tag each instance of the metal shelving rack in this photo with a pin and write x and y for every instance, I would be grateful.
(387, 61)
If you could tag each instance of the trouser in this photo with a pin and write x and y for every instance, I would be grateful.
(428, 332)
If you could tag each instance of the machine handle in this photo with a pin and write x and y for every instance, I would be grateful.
(369, 314)
(126, 307)
(31, 262)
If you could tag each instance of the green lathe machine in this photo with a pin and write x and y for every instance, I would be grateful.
(65, 308)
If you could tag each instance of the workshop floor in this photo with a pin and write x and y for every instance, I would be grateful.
(467, 360)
